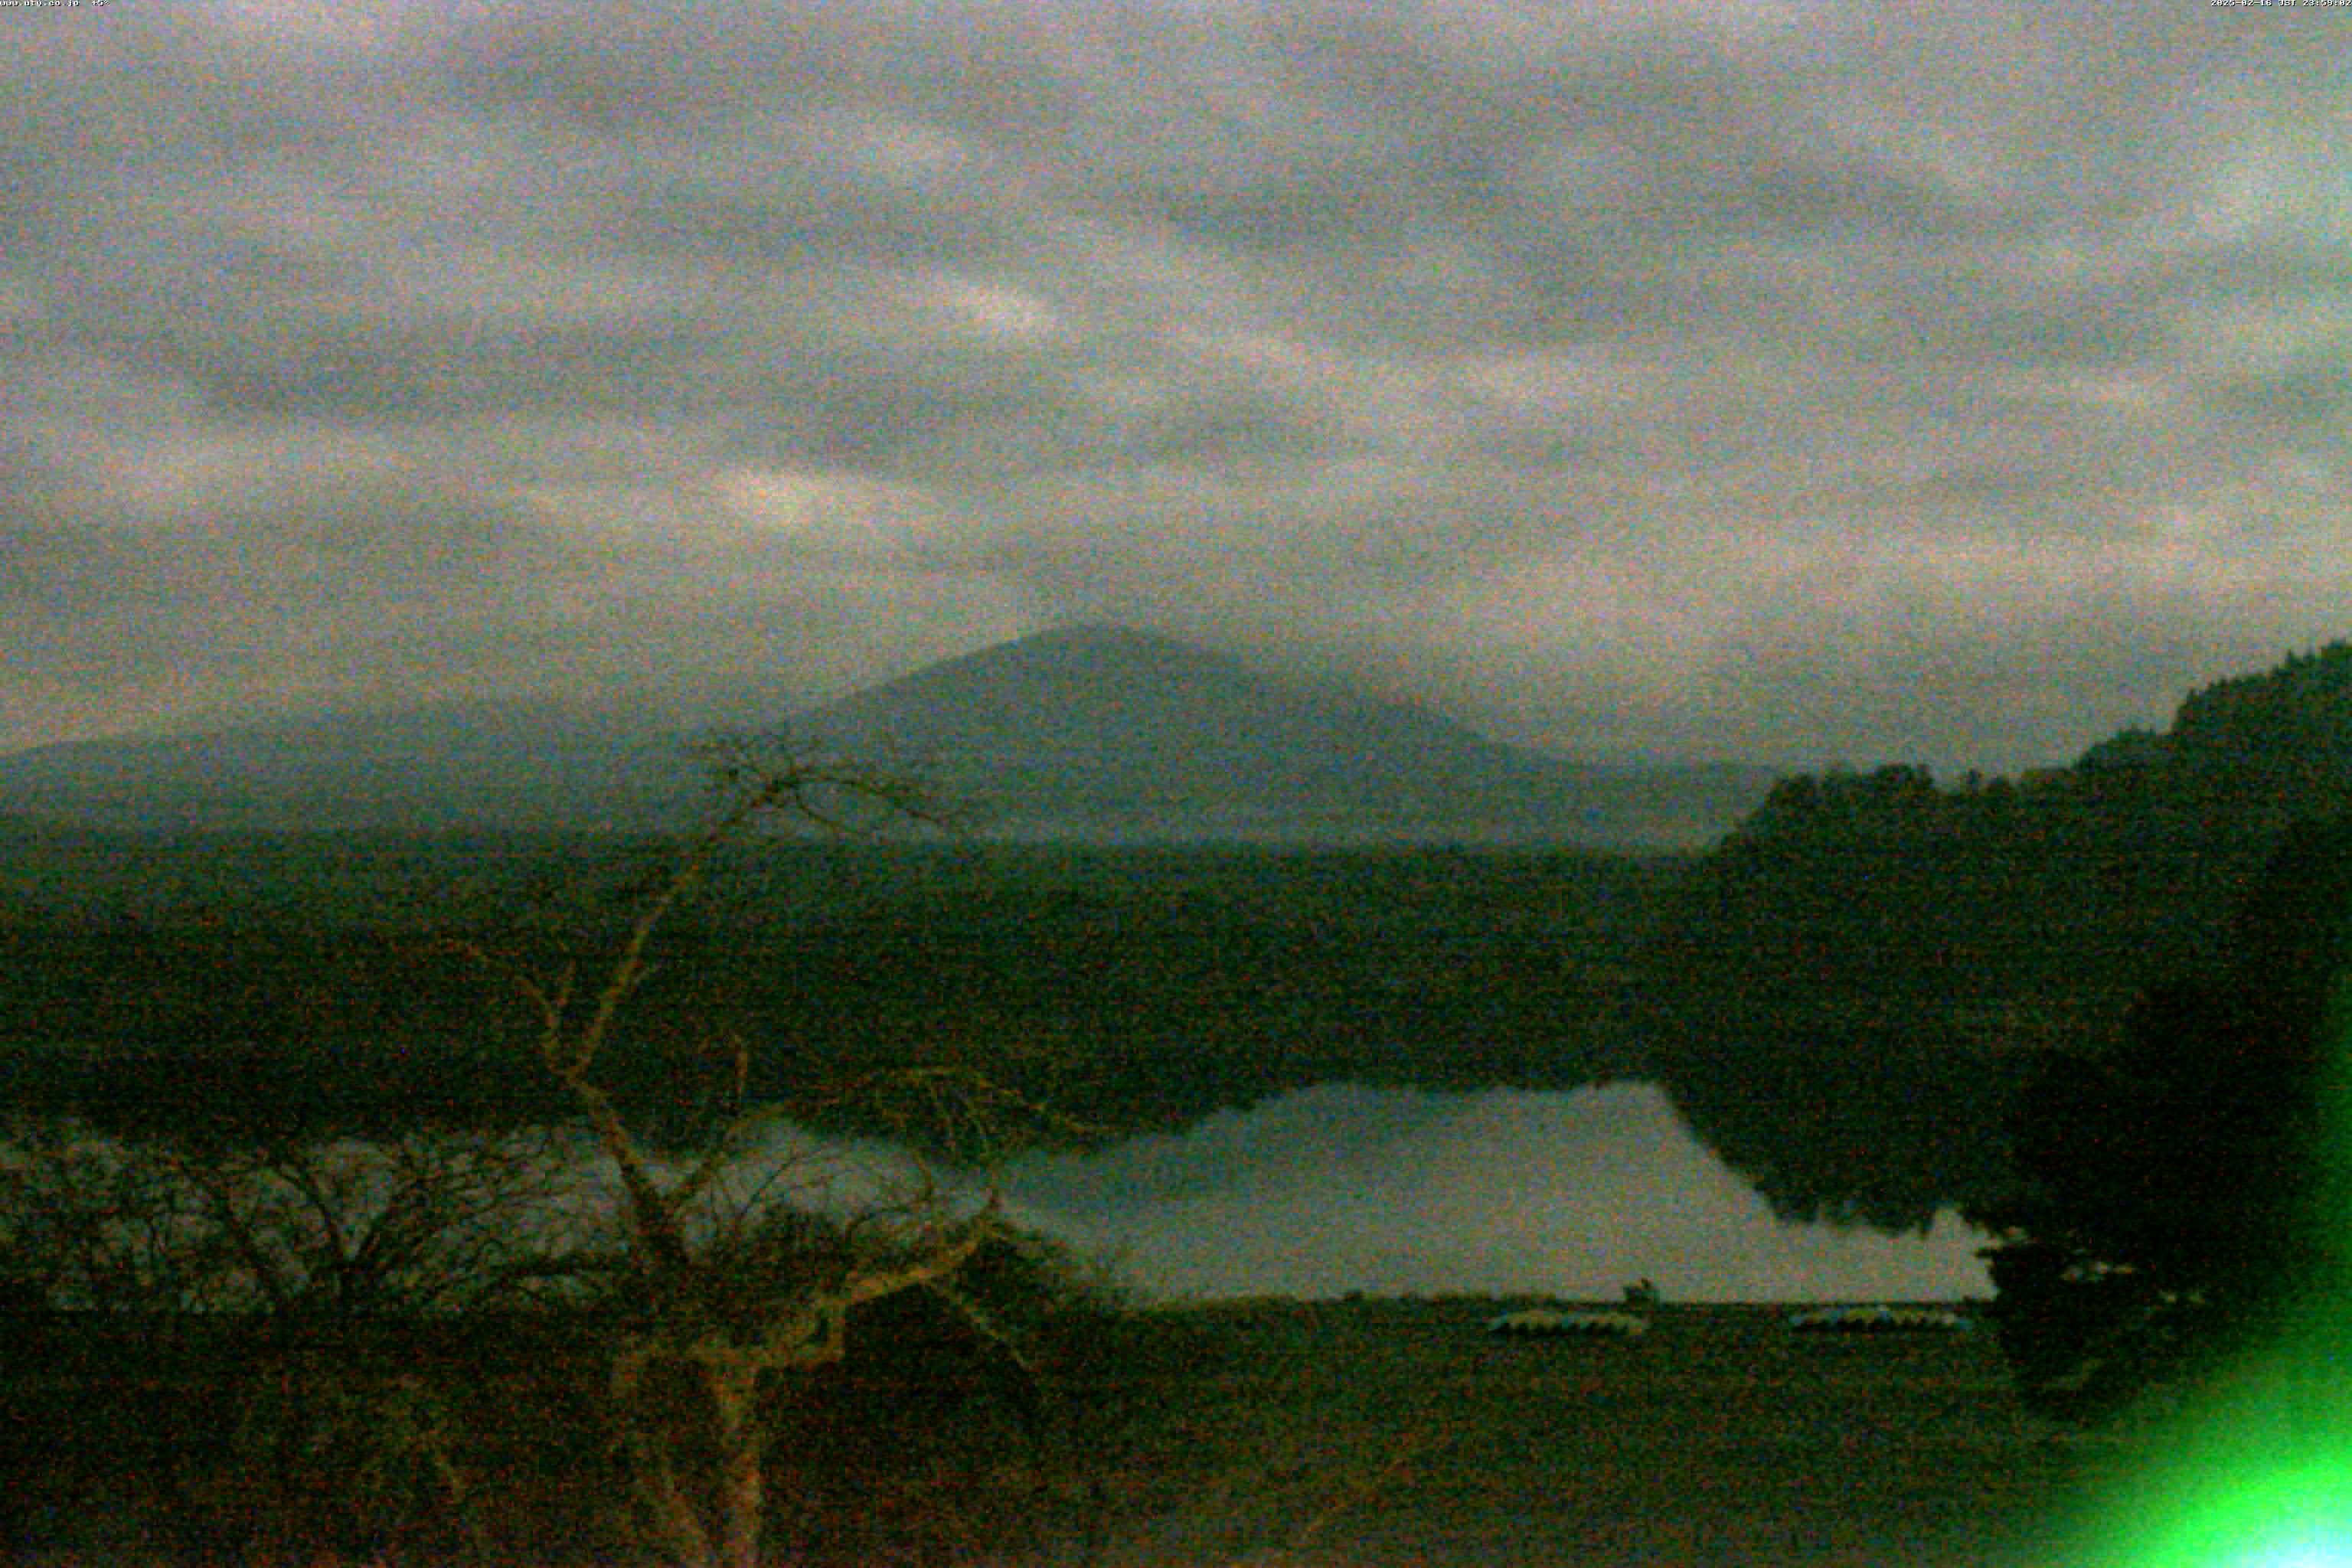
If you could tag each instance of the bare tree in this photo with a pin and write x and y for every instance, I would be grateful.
(92, 1225)
(421, 1223)
(723, 1293)
(268, 1272)
(318, 1263)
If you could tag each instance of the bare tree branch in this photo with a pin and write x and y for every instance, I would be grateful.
(740, 1305)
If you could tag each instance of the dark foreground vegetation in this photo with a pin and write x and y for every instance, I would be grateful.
(2181, 1195)
(1389, 1432)
(1366, 1433)
(2076, 1003)
(1848, 995)
(492, 1436)
(343, 1300)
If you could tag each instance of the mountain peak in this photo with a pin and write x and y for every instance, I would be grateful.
(1085, 732)
(1104, 635)
(1092, 644)
(1097, 732)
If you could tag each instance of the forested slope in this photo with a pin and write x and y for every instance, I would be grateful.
(318, 978)
(1841, 994)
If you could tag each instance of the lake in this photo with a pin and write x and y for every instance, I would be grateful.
(1343, 1188)
(1395, 1192)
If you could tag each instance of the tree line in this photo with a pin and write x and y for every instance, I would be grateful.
(1849, 994)
(322, 986)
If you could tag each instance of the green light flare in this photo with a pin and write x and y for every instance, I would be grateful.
(2256, 1472)
(2259, 1513)
(2329, 1550)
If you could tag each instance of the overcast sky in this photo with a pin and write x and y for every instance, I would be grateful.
(1948, 381)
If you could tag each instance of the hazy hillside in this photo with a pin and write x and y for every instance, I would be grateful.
(459, 764)
(1869, 953)
(1105, 734)
(1094, 734)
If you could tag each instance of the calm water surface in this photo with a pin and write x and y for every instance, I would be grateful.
(1342, 1187)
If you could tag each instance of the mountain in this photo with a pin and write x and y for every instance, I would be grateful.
(1095, 735)
(1101, 734)
(438, 766)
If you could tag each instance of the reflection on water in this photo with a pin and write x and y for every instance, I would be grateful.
(1574, 1194)
(1315, 1194)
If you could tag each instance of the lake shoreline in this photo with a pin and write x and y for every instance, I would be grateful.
(1383, 1432)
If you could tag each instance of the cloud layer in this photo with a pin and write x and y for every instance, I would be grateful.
(1792, 380)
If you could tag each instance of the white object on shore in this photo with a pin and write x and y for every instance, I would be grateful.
(1878, 1320)
(1550, 1323)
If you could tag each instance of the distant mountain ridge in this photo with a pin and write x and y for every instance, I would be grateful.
(496, 763)
(1090, 733)
(1107, 733)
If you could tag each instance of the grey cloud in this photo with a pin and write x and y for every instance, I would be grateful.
(1551, 363)
(60, 575)
(313, 558)
(2108, 322)
(2316, 390)
(1950, 673)
(398, 532)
